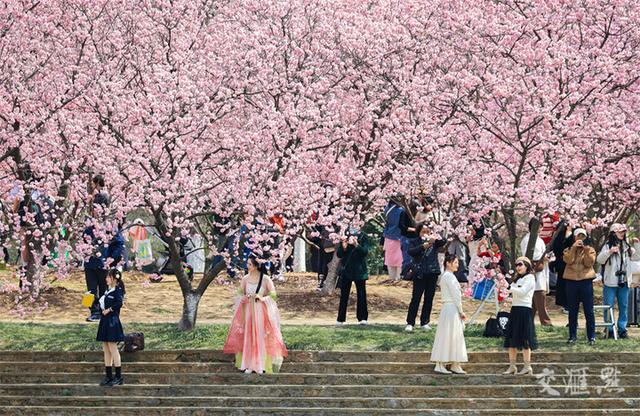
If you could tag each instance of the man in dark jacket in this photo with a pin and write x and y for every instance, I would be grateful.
(354, 270)
(105, 256)
(424, 251)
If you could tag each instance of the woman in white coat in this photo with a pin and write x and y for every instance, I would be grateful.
(449, 345)
(542, 278)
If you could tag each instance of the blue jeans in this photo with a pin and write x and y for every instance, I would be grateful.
(609, 295)
(581, 291)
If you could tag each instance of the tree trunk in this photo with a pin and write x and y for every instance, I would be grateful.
(189, 311)
(332, 275)
(533, 237)
(510, 222)
(33, 268)
(191, 298)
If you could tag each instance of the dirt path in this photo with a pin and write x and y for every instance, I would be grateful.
(299, 302)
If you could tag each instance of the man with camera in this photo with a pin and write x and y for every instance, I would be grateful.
(615, 257)
(579, 274)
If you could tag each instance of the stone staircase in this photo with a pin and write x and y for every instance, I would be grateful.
(203, 382)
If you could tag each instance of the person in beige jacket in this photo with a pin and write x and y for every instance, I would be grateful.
(579, 274)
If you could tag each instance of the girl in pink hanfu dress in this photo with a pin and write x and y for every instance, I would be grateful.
(254, 335)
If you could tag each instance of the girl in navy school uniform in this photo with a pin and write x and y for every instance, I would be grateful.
(110, 329)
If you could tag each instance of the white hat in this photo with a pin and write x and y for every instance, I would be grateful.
(618, 227)
(579, 231)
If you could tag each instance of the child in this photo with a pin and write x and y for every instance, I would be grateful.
(110, 329)
(254, 335)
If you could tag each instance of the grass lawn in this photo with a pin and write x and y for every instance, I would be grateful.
(81, 337)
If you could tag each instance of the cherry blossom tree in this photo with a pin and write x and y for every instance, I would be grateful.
(47, 58)
(216, 114)
(544, 102)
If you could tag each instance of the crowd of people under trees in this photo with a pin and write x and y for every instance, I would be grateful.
(562, 254)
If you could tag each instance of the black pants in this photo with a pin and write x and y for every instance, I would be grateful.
(97, 284)
(427, 286)
(577, 292)
(5, 251)
(362, 312)
(561, 291)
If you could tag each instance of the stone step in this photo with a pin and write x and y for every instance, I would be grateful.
(284, 392)
(284, 411)
(321, 367)
(330, 402)
(297, 379)
(315, 356)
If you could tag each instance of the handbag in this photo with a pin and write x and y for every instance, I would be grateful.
(492, 328)
(144, 254)
(133, 342)
(87, 299)
(503, 321)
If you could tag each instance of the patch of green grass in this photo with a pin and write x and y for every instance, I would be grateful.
(81, 337)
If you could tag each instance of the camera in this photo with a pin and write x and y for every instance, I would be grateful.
(622, 278)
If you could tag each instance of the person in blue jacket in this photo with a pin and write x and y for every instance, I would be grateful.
(110, 330)
(392, 245)
(95, 269)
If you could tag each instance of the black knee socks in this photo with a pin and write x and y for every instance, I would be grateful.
(108, 372)
(118, 372)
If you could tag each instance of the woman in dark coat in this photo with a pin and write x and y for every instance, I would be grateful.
(110, 329)
(563, 239)
(424, 251)
(354, 255)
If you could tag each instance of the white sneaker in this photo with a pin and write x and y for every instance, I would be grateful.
(425, 326)
(338, 323)
(247, 371)
(363, 322)
(408, 328)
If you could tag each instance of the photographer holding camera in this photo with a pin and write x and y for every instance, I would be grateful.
(614, 257)
(579, 274)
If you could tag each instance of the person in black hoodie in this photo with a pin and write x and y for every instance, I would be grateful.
(424, 251)
(353, 252)
(562, 240)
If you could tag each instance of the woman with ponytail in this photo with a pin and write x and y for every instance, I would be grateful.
(110, 329)
(254, 335)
